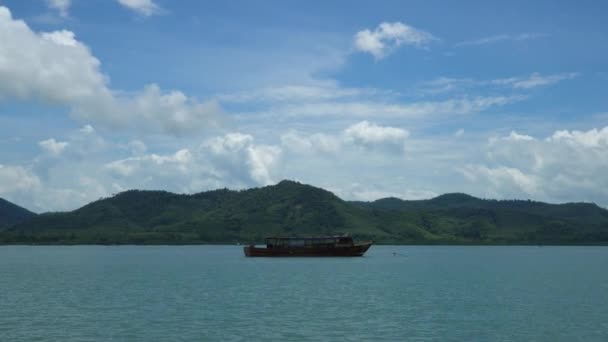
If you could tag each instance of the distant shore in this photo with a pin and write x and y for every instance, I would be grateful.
(548, 244)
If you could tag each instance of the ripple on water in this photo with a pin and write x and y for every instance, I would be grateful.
(214, 293)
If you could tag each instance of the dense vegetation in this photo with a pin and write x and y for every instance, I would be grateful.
(11, 214)
(290, 208)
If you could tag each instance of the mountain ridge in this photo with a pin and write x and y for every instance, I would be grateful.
(293, 208)
(11, 213)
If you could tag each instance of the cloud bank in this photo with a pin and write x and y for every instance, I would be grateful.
(560, 167)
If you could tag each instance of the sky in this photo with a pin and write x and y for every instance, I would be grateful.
(367, 99)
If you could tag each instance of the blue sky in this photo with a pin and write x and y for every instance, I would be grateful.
(367, 99)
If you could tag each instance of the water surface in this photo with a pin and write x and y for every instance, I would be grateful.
(208, 293)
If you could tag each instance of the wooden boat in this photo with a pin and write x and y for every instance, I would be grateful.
(321, 246)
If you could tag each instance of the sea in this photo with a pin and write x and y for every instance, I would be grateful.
(214, 293)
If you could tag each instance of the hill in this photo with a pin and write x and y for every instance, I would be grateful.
(291, 208)
(11, 214)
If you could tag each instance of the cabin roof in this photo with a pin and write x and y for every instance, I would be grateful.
(308, 237)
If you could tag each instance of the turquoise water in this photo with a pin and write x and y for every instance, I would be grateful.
(213, 293)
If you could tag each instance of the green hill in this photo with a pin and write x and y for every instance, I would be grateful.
(291, 208)
(11, 214)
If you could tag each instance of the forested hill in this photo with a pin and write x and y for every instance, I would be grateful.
(291, 208)
(11, 214)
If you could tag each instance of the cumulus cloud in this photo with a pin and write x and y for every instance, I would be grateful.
(363, 133)
(50, 66)
(233, 160)
(389, 36)
(62, 6)
(260, 160)
(143, 7)
(313, 143)
(563, 166)
(124, 167)
(567, 165)
(55, 67)
(15, 180)
(505, 181)
(514, 136)
(152, 109)
(230, 143)
(52, 146)
(234, 153)
(593, 138)
(367, 133)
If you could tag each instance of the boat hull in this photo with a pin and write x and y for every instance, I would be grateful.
(337, 251)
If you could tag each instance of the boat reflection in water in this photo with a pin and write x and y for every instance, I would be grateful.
(341, 245)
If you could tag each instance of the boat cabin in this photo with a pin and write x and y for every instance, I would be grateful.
(309, 242)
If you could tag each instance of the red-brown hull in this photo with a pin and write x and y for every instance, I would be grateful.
(346, 251)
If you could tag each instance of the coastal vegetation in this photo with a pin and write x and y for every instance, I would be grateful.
(290, 208)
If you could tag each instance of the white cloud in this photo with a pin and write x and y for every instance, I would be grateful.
(237, 157)
(459, 106)
(566, 166)
(506, 181)
(368, 192)
(151, 109)
(182, 156)
(363, 133)
(298, 93)
(143, 7)
(501, 38)
(535, 80)
(230, 143)
(389, 36)
(446, 84)
(55, 67)
(17, 180)
(231, 160)
(591, 139)
(88, 129)
(459, 133)
(60, 5)
(317, 142)
(52, 67)
(124, 167)
(261, 159)
(52, 146)
(129, 166)
(368, 133)
(514, 136)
